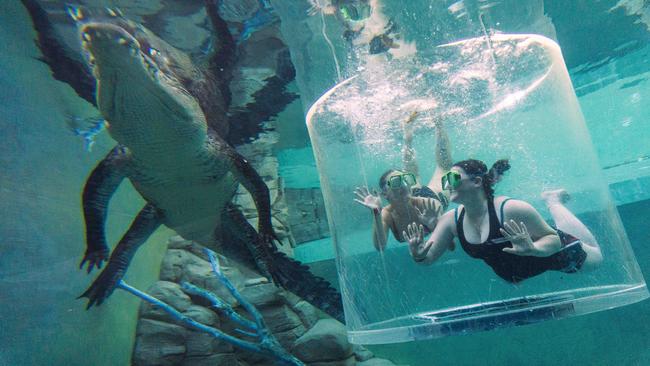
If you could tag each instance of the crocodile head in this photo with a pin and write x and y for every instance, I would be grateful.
(144, 85)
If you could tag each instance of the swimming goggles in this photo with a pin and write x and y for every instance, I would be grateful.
(350, 12)
(451, 180)
(398, 180)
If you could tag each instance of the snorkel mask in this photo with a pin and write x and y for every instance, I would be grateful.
(400, 180)
(352, 12)
(451, 180)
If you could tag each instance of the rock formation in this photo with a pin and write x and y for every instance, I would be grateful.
(301, 329)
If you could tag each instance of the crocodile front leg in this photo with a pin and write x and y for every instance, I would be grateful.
(147, 221)
(100, 187)
(251, 180)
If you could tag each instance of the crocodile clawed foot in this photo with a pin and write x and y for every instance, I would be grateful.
(265, 268)
(102, 287)
(266, 264)
(95, 258)
(270, 238)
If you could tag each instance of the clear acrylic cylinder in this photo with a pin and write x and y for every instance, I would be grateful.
(497, 96)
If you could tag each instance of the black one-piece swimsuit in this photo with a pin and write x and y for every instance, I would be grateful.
(515, 268)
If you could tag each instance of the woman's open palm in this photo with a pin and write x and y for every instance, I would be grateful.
(414, 235)
(517, 234)
(365, 198)
(429, 214)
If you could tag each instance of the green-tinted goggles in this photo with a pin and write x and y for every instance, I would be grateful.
(354, 13)
(451, 180)
(399, 180)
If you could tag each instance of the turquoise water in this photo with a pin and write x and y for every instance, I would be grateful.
(615, 337)
(44, 165)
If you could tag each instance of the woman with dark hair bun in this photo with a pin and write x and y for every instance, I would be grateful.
(507, 234)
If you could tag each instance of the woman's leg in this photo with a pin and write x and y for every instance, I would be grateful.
(443, 157)
(409, 158)
(566, 221)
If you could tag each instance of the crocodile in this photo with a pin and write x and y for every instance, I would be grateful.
(160, 108)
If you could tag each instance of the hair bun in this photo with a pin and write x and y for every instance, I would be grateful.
(497, 170)
(500, 166)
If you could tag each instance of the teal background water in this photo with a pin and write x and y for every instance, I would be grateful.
(43, 167)
(614, 337)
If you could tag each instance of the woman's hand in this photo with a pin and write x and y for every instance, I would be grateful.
(517, 234)
(414, 234)
(365, 198)
(429, 214)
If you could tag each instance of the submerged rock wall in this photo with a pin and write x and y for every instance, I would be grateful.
(307, 218)
(300, 328)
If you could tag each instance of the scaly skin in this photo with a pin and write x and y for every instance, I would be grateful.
(186, 173)
(146, 91)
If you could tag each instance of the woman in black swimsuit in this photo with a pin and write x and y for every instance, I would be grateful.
(508, 235)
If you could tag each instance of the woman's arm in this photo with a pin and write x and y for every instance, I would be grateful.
(443, 158)
(443, 148)
(408, 153)
(381, 221)
(529, 234)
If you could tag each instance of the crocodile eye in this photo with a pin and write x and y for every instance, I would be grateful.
(153, 52)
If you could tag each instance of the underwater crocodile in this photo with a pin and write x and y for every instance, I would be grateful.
(157, 103)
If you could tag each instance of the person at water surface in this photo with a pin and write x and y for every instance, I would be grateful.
(513, 240)
(408, 200)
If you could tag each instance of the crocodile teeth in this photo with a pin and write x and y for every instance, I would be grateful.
(135, 51)
(86, 36)
(122, 41)
(75, 13)
(114, 12)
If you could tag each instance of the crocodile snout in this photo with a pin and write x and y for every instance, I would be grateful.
(105, 41)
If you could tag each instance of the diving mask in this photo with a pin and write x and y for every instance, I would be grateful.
(451, 180)
(399, 180)
(354, 12)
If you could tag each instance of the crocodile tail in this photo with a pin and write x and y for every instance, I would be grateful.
(296, 277)
(285, 272)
